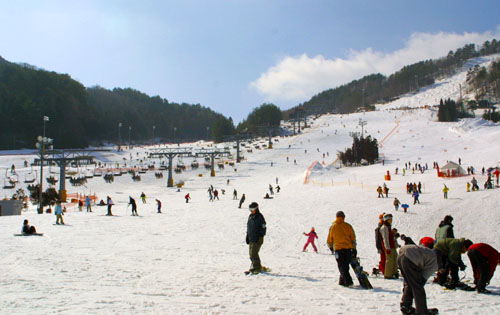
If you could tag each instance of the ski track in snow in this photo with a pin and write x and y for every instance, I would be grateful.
(191, 258)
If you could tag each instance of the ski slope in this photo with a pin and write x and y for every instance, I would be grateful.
(190, 259)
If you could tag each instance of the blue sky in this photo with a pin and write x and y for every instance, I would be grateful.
(232, 56)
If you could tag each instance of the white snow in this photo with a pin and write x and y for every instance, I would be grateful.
(191, 258)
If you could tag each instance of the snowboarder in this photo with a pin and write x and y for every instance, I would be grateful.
(158, 203)
(448, 252)
(256, 230)
(187, 197)
(310, 240)
(342, 241)
(484, 260)
(242, 200)
(417, 264)
(143, 197)
(110, 204)
(396, 204)
(445, 229)
(389, 247)
(28, 229)
(445, 191)
(59, 213)
(131, 202)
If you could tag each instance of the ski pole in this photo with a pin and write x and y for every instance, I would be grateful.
(298, 241)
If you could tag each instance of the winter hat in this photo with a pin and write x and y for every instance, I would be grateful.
(253, 206)
(381, 216)
(312, 229)
(340, 214)
(387, 216)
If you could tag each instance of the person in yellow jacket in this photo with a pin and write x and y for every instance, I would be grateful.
(445, 191)
(342, 241)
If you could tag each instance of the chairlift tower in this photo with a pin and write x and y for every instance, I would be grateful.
(170, 153)
(212, 154)
(238, 138)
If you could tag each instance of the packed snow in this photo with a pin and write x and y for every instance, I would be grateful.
(191, 257)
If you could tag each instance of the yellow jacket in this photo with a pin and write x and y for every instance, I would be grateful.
(341, 235)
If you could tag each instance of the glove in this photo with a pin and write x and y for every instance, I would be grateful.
(247, 240)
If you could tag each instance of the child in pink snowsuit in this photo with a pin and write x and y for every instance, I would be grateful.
(310, 240)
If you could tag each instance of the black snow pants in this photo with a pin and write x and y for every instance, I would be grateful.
(344, 257)
(479, 266)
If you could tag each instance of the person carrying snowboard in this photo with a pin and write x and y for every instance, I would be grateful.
(342, 242)
(417, 264)
(256, 230)
(131, 202)
(310, 240)
(484, 260)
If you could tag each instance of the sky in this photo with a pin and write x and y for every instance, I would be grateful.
(233, 56)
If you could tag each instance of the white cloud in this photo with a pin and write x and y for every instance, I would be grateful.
(300, 77)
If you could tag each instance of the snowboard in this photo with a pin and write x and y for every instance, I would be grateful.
(264, 269)
(360, 273)
(24, 234)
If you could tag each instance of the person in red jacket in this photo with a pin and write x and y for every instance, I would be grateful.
(310, 240)
(484, 260)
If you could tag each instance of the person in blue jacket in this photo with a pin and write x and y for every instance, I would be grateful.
(256, 230)
(59, 213)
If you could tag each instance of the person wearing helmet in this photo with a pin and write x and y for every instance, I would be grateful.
(256, 230)
(310, 240)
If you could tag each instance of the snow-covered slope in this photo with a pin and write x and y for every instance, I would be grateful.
(191, 258)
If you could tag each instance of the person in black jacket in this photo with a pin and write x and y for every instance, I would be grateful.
(256, 230)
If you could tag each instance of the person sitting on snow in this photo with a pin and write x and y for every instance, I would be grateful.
(28, 229)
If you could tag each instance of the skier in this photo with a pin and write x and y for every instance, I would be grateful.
(271, 189)
(256, 230)
(389, 247)
(242, 200)
(380, 192)
(278, 188)
(143, 197)
(310, 240)
(59, 213)
(396, 204)
(110, 204)
(88, 202)
(484, 260)
(386, 191)
(448, 252)
(235, 195)
(445, 191)
(131, 202)
(445, 229)
(216, 194)
(158, 203)
(415, 197)
(187, 197)
(417, 264)
(210, 194)
(342, 241)
(28, 229)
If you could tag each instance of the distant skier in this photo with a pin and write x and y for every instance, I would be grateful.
(80, 205)
(396, 204)
(187, 197)
(131, 202)
(88, 203)
(143, 197)
(380, 192)
(210, 196)
(235, 195)
(271, 189)
(278, 188)
(445, 191)
(415, 197)
(242, 200)
(59, 213)
(158, 203)
(386, 191)
(110, 204)
(310, 240)
(216, 194)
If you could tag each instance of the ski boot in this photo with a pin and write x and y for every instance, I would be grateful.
(432, 311)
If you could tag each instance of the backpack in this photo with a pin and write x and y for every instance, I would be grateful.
(378, 239)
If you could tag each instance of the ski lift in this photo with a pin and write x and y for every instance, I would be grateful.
(51, 171)
(7, 184)
(30, 177)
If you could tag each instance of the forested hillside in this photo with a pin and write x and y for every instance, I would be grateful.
(378, 88)
(80, 116)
